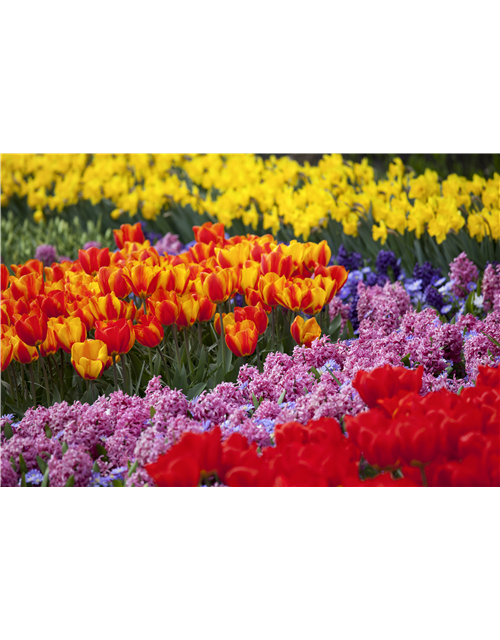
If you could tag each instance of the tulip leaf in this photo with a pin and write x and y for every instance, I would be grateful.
(42, 465)
(102, 452)
(70, 482)
(200, 371)
(7, 430)
(469, 308)
(118, 483)
(56, 394)
(196, 390)
(255, 401)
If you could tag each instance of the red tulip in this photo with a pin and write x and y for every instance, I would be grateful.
(386, 382)
(32, 329)
(93, 259)
(128, 233)
(118, 335)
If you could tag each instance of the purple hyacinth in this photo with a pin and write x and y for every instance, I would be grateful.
(170, 244)
(386, 259)
(349, 260)
(427, 273)
(433, 297)
(46, 253)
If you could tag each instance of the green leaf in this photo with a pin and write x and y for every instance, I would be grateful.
(196, 390)
(70, 482)
(406, 360)
(48, 431)
(152, 412)
(42, 465)
(495, 342)
(255, 401)
(95, 467)
(22, 464)
(469, 308)
(7, 430)
(315, 373)
(133, 468)
(45, 481)
(334, 328)
(64, 447)
(23, 480)
(282, 396)
(118, 483)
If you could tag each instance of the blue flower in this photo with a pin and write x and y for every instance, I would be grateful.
(7, 416)
(445, 309)
(34, 476)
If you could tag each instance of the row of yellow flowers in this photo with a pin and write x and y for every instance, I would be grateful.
(244, 187)
(135, 294)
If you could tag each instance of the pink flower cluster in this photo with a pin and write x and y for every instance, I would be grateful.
(490, 287)
(463, 272)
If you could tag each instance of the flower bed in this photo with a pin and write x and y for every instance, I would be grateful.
(249, 335)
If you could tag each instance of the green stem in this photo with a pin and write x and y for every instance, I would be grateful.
(45, 376)
(23, 381)
(200, 337)
(177, 352)
(33, 394)
(144, 305)
(124, 370)
(273, 329)
(164, 365)
(150, 362)
(62, 374)
(13, 391)
(113, 357)
(222, 339)
(259, 365)
(186, 342)
(93, 390)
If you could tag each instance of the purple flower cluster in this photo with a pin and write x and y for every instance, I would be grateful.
(170, 244)
(46, 253)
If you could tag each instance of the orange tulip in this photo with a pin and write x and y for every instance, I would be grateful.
(142, 279)
(27, 286)
(118, 335)
(71, 331)
(256, 314)
(164, 306)
(32, 329)
(128, 233)
(317, 253)
(270, 287)
(174, 279)
(89, 358)
(110, 307)
(5, 277)
(51, 344)
(149, 331)
(55, 273)
(277, 263)
(227, 318)
(305, 332)
(253, 299)
(219, 285)
(335, 272)
(234, 256)
(201, 251)
(111, 280)
(241, 337)
(6, 351)
(189, 308)
(31, 266)
(23, 353)
(209, 232)
(207, 308)
(93, 259)
(81, 309)
(250, 273)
